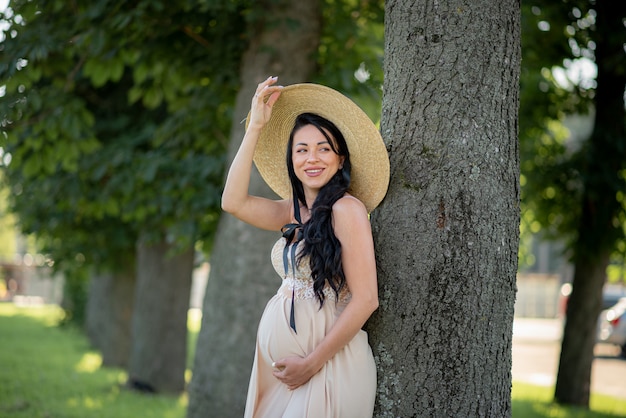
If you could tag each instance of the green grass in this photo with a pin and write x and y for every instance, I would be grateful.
(536, 401)
(48, 371)
(51, 372)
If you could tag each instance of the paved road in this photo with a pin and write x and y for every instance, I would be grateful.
(536, 348)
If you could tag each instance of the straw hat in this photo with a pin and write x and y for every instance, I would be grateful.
(368, 155)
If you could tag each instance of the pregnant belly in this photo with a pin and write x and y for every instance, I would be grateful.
(277, 340)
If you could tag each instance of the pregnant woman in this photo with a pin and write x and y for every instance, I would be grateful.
(326, 160)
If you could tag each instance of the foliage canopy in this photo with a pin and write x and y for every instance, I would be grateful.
(115, 118)
(558, 102)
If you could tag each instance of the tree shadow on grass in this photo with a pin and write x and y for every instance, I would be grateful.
(49, 370)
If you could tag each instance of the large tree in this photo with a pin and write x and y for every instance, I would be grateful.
(575, 189)
(446, 234)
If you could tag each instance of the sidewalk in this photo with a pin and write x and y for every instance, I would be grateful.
(537, 329)
(536, 350)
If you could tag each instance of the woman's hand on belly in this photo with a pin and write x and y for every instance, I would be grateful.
(293, 371)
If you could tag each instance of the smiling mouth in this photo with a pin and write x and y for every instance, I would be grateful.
(314, 171)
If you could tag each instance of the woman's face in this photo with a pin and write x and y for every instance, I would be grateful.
(314, 160)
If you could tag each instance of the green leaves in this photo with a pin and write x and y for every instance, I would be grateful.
(103, 70)
(563, 161)
(352, 45)
(114, 118)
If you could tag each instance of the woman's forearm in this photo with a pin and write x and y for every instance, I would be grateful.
(237, 184)
(235, 195)
(349, 323)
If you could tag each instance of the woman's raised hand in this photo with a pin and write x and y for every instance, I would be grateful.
(264, 98)
(236, 199)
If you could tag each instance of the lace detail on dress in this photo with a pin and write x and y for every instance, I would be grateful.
(304, 290)
(302, 284)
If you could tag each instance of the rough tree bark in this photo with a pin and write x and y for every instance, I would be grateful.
(159, 324)
(108, 317)
(447, 232)
(242, 279)
(603, 179)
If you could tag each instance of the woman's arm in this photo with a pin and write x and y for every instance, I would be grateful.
(352, 228)
(236, 200)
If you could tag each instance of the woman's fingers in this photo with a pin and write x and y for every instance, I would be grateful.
(291, 372)
(264, 98)
(265, 93)
(264, 85)
(278, 366)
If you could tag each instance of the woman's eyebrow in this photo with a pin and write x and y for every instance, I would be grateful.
(319, 143)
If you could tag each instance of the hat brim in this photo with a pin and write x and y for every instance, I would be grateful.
(368, 155)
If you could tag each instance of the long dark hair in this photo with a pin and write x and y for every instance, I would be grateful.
(320, 242)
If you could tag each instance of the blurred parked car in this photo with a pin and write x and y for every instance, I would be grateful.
(611, 293)
(612, 326)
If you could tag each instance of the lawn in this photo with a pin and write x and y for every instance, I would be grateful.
(50, 371)
(531, 401)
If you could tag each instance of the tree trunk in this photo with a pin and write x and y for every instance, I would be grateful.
(447, 232)
(579, 336)
(108, 317)
(242, 278)
(159, 325)
(599, 225)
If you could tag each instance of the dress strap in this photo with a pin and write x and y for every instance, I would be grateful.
(293, 234)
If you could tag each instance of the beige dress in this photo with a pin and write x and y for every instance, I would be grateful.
(344, 388)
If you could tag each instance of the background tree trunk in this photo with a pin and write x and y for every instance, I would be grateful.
(242, 278)
(447, 233)
(110, 301)
(579, 336)
(599, 224)
(159, 324)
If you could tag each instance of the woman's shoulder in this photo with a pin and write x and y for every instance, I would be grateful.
(350, 219)
(349, 205)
